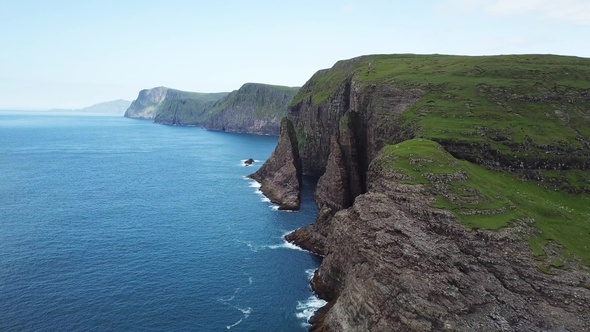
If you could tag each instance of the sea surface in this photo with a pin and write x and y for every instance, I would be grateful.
(113, 224)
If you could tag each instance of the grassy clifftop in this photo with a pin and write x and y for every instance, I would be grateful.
(542, 97)
(506, 112)
(502, 140)
(181, 107)
(483, 198)
(267, 101)
(254, 108)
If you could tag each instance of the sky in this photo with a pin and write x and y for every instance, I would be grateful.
(72, 54)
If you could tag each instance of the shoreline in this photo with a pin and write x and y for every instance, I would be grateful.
(319, 314)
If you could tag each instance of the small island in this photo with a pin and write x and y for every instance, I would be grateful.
(249, 162)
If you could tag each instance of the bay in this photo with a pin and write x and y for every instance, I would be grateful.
(108, 223)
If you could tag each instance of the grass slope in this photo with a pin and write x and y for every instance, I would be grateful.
(499, 120)
(186, 107)
(483, 198)
(516, 107)
(267, 101)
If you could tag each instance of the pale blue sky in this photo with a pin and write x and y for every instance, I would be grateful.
(71, 54)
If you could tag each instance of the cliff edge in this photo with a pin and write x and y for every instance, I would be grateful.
(453, 192)
(254, 108)
(280, 175)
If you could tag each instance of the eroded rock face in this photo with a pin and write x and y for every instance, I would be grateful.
(145, 106)
(280, 176)
(393, 263)
(372, 113)
(254, 108)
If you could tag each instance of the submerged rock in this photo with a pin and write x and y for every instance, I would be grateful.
(249, 162)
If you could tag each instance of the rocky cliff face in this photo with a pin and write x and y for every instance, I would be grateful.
(146, 104)
(280, 176)
(395, 262)
(181, 108)
(173, 107)
(254, 108)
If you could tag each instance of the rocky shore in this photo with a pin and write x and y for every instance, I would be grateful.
(393, 263)
(394, 259)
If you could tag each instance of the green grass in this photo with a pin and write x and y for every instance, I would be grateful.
(185, 107)
(267, 101)
(486, 123)
(531, 109)
(481, 198)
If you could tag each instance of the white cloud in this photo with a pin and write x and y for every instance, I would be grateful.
(572, 11)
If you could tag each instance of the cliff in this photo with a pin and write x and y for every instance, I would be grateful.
(280, 175)
(254, 108)
(145, 106)
(452, 192)
(170, 106)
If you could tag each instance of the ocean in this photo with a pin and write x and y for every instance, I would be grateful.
(113, 224)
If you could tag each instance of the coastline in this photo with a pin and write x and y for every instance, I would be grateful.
(290, 242)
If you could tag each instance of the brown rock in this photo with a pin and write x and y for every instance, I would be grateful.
(280, 175)
(393, 263)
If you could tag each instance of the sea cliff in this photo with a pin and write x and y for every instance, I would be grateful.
(254, 108)
(452, 191)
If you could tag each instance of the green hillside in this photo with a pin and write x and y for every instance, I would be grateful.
(488, 199)
(507, 136)
(507, 112)
(188, 108)
(267, 101)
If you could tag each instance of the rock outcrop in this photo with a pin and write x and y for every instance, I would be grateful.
(394, 262)
(280, 176)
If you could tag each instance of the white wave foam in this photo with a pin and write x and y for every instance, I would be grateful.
(225, 299)
(290, 245)
(306, 309)
(284, 245)
(243, 162)
(254, 184)
(250, 280)
(310, 273)
(234, 324)
(264, 199)
(249, 245)
(246, 311)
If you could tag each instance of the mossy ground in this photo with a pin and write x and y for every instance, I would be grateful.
(487, 199)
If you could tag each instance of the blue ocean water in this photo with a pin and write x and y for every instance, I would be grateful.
(108, 224)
